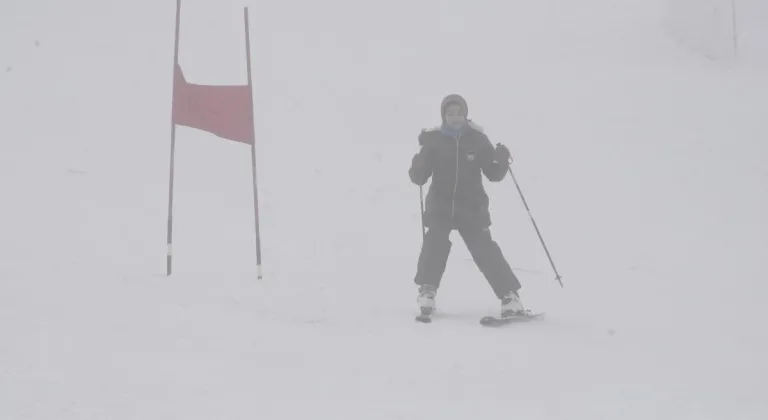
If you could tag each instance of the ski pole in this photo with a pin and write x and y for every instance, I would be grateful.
(423, 228)
(525, 203)
(421, 196)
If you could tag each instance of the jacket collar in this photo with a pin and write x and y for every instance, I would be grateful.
(453, 132)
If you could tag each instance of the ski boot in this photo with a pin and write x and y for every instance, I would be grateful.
(426, 302)
(511, 311)
(511, 305)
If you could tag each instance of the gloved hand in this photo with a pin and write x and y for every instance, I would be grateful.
(502, 154)
(419, 160)
(427, 151)
(421, 137)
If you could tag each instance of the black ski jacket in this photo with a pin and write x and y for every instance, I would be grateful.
(456, 163)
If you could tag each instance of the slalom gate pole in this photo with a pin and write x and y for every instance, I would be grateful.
(253, 144)
(558, 277)
(172, 157)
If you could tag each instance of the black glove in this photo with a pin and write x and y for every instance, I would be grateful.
(501, 153)
(419, 161)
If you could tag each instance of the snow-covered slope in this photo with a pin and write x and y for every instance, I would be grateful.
(643, 164)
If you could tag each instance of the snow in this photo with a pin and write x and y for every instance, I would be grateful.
(643, 164)
(721, 30)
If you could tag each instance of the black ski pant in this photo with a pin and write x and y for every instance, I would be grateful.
(485, 252)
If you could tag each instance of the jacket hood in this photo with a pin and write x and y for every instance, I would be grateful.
(450, 99)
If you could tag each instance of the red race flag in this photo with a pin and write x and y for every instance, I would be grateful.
(225, 111)
(221, 110)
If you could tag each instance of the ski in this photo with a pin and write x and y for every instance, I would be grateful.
(425, 317)
(495, 321)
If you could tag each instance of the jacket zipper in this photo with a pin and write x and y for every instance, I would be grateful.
(456, 182)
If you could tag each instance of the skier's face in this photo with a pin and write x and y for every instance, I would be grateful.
(454, 117)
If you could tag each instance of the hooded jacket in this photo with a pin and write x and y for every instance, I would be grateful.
(456, 160)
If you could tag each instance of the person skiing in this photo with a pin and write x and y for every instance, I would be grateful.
(456, 154)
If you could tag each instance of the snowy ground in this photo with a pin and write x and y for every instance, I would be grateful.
(644, 166)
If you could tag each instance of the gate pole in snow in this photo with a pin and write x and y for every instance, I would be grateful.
(253, 146)
(169, 256)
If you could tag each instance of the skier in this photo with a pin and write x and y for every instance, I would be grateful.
(456, 155)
